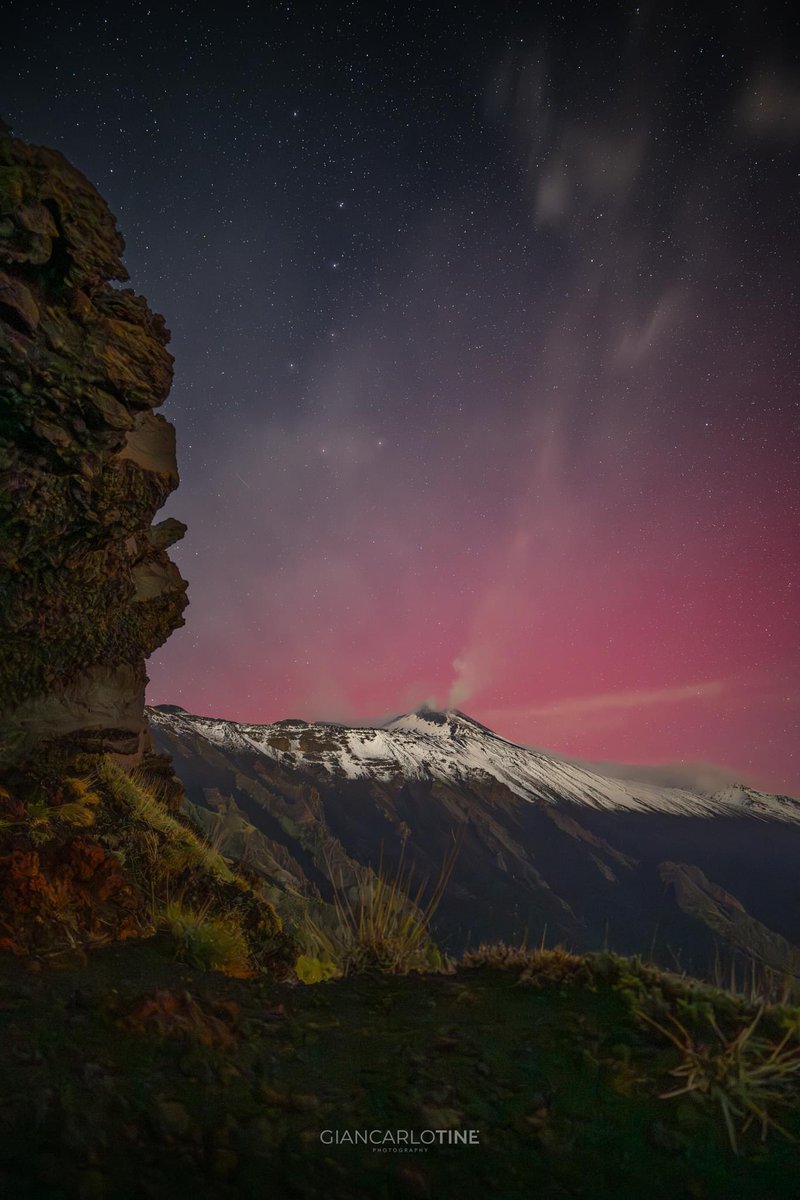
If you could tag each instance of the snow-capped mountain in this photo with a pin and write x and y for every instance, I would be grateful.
(453, 749)
(542, 844)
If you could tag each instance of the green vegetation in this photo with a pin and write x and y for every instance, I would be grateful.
(90, 854)
(314, 970)
(139, 1075)
(208, 942)
(746, 1076)
(180, 846)
(186, 1060)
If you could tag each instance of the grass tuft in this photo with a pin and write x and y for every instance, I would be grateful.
(209, 942)
(747, 1077)
(386, 927)
(182, 848)
(536, 967)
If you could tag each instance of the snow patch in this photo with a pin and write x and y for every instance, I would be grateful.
(452, 748)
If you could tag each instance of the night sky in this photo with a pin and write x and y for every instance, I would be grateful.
(486, 331)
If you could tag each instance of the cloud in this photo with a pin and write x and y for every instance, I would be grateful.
(573, 166)
(769, 107)
(663, 317)
(608, 702)
(701, 777)
(610, 707)
(606, 710)
(589, 167)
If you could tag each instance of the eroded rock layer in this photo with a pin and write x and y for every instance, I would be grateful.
(87, 590)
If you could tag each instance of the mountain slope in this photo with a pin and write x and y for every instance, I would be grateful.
(453, 749)
(542, 844)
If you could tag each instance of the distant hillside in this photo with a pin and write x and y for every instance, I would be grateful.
(544, 847)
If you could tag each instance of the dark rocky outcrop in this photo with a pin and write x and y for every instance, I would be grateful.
(93, 848)
(87, 590)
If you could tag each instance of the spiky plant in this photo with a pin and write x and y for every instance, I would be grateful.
(745, 1076)
(386, 927)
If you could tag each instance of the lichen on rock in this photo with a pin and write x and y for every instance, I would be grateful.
(87, 590)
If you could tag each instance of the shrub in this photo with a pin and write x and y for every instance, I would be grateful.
(212, 943)
(314, 970)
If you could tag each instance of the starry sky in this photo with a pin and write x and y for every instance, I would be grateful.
(485, 322)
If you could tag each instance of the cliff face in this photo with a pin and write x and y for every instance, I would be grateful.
(87, 590)
(93, 848)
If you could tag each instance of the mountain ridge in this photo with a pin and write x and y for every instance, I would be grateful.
(545, 847)
(441, 733)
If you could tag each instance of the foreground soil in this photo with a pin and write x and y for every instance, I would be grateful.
(131, 1075)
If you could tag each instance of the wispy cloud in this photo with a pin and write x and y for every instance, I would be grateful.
(550, 723)
(606, 702)
(769, 106)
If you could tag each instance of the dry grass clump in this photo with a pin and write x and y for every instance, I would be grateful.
(754, 981)
(746, 1076)
(73, 803)
(386, 927)
(536, 967)
(498, 956)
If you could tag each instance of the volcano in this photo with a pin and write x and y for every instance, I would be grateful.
(544, 848)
